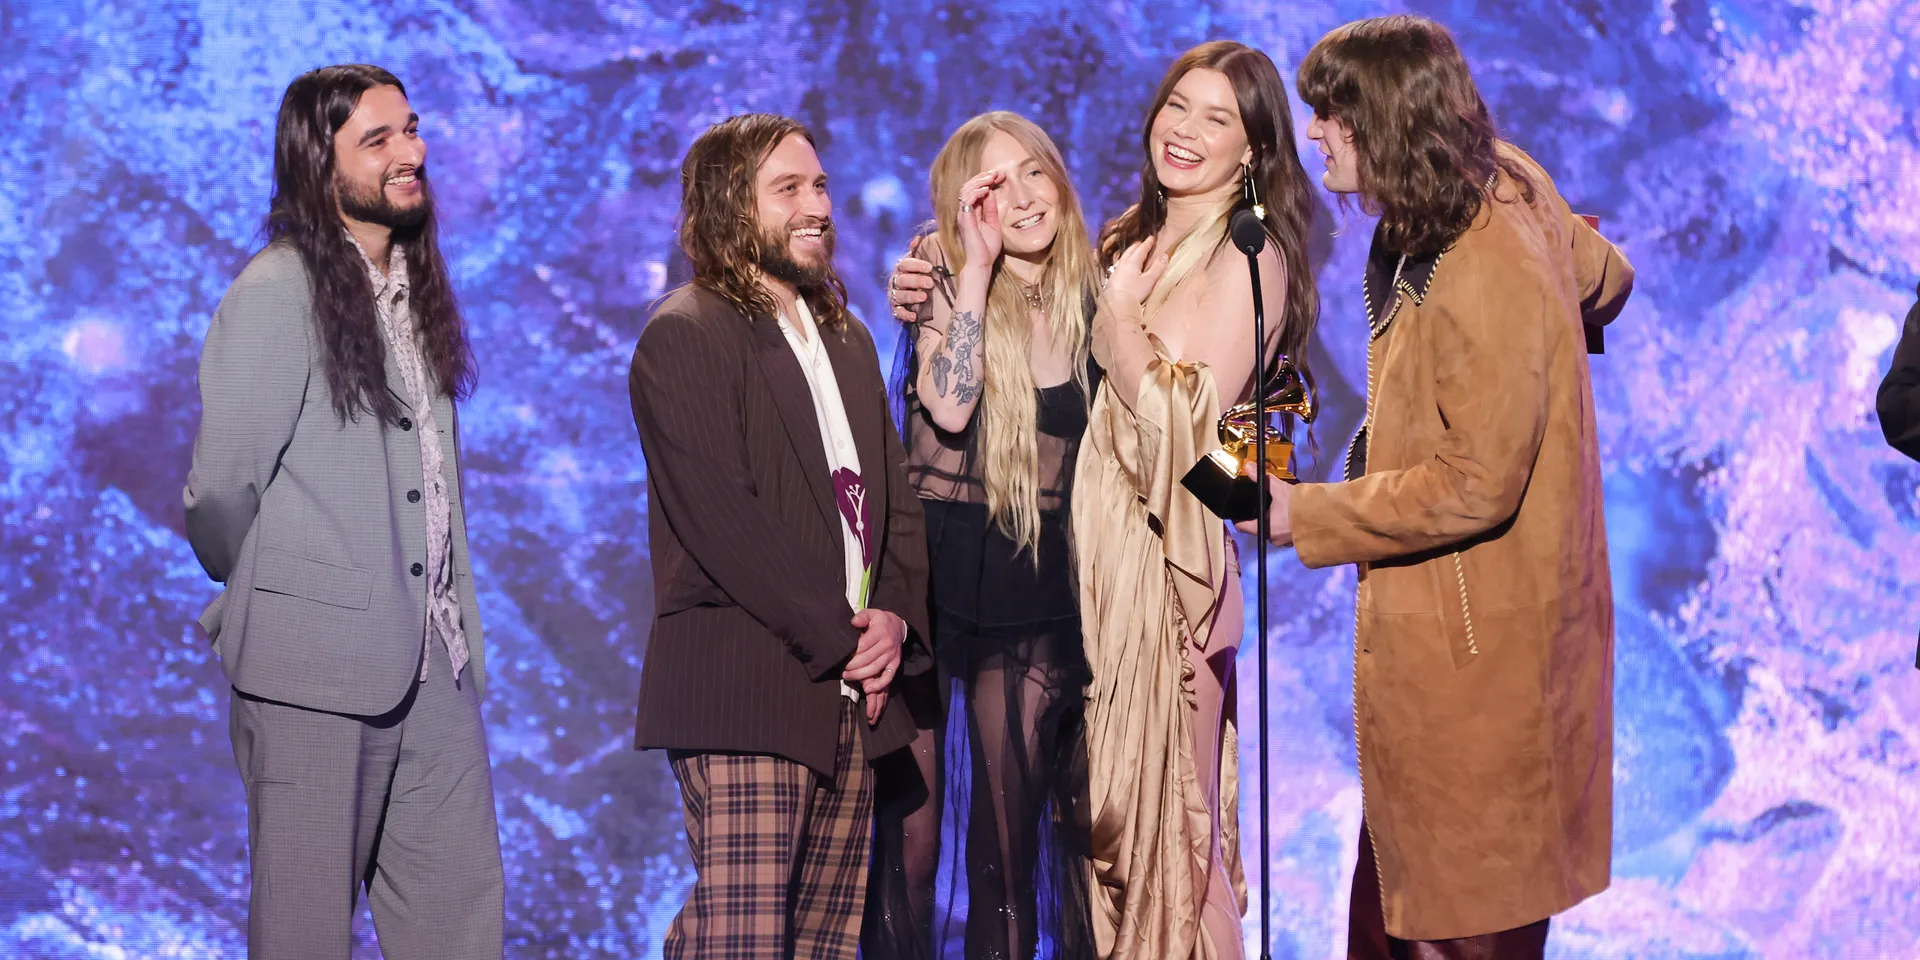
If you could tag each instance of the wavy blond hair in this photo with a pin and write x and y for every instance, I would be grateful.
(1008, 413)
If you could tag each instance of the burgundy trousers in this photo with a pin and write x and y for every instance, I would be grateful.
(1367, 937)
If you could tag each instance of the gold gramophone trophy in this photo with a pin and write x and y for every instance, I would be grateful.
(1217, 479)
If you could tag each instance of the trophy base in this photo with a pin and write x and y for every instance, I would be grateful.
(1233, 496)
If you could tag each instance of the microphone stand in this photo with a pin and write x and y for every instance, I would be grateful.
(1260, 593)
(1251, 239)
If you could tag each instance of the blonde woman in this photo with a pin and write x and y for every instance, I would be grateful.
(996, 384)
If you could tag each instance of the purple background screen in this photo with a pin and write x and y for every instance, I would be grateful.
(1759, 162)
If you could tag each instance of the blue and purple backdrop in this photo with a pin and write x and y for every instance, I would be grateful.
(1759, 161)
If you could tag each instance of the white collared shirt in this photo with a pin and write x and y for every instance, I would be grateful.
(830, 411)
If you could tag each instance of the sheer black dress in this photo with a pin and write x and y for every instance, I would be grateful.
(1007, 639)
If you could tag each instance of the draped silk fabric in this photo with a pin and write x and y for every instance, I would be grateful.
(1153, 566)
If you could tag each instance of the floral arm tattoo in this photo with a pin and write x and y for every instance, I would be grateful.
(941, 366)
(953, 364)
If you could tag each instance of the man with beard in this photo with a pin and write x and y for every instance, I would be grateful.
(789, 556)
(325, 495)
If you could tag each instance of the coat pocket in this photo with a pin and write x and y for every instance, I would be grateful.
(277, 571)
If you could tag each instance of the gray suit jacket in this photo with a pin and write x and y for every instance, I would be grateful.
(307, 520)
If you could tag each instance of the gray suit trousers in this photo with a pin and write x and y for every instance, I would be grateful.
(401, 804)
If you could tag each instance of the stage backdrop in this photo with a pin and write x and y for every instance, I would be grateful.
(1756, 160)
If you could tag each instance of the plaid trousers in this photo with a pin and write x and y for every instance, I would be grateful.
(780, 854)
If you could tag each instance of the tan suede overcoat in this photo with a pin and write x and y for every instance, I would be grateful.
(1483, 650)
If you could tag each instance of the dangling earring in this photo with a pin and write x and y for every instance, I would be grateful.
(1251, 193)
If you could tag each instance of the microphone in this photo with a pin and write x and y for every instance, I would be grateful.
(1249, 234)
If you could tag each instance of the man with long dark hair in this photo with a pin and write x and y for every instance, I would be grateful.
(789, 555)
(1483, 661)
(325, 495)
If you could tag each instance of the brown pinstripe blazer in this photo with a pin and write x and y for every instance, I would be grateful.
(751, 626)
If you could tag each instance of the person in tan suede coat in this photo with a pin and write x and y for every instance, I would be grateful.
(1483, 650)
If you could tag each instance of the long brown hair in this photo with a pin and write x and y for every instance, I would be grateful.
(720, 220)
(1277, 173)
(1008, 413)
(305, 216)
(1426, 143)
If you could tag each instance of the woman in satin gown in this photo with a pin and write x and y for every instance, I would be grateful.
(996, 383)
(1159, 587)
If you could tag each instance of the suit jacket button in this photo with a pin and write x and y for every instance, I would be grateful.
(406, 424)
(417, 569)
(413, 496)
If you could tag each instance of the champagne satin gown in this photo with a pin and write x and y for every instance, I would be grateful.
(1160, 611)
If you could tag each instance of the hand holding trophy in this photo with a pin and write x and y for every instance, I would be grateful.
(1219, 479)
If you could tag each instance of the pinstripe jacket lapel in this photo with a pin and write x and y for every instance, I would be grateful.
(794, 401)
